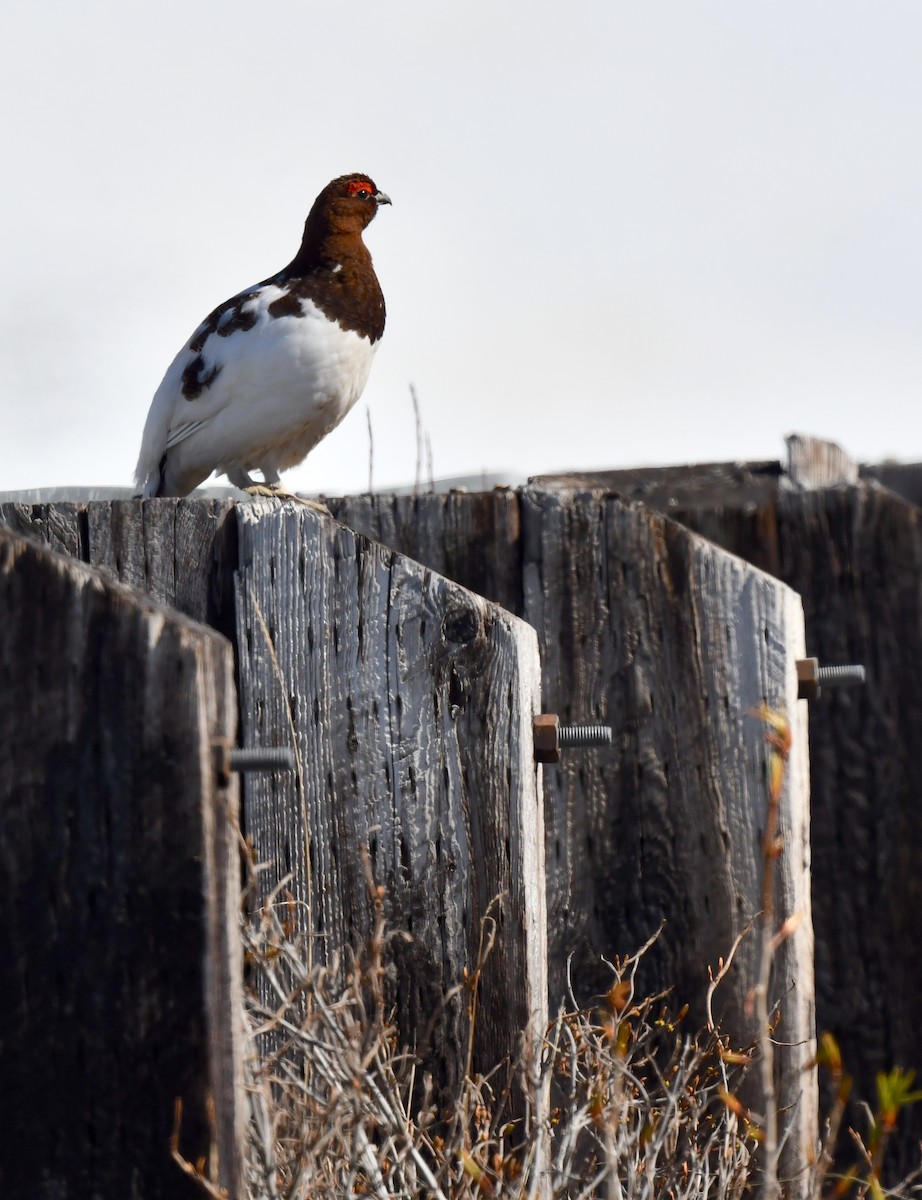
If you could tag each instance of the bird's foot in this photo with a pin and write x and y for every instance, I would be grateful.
(277, 492)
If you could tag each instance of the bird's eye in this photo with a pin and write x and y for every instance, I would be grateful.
(360, 189)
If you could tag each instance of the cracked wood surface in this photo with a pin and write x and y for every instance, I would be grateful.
(119, 944)
(644, 626)
(409, 702)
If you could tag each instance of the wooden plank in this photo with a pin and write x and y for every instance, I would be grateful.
(181, 552)
(119, 946)
(854, 554)
(60, 526)
(656, 632)
(472, 538)
(903, 478)
(662, 486)
(409, 701)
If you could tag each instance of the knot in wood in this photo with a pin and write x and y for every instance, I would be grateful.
(460, 626)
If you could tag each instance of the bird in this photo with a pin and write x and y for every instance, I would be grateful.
(272, 370)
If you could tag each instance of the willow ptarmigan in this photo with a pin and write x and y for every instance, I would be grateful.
(277, 366)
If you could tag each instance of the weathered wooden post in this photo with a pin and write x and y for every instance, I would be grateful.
(403, 696)
(181, 552)
(119, 943)
(673, 642)
(409, 703)
(676, 645)
(853, 552)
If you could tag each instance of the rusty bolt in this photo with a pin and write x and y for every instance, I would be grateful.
(550, 736)
(810, 675)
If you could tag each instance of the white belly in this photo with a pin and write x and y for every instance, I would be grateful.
(280, 387)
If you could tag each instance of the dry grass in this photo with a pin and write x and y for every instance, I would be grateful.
(615, 1098)
(618, 1102)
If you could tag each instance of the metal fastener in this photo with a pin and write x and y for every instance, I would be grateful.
(810, 675)
(250, 758)
(551, 736)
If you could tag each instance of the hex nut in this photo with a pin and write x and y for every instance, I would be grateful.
(808, 678)
(547, 738)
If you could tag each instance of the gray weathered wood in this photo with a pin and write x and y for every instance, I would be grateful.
(409, 702)
(903, 478)
(184, 553)
(173, 549)
(119, 946)
(641, 624)
(473, 538)
(854, 554)
(671, 641)
(179, 551)
(59, 526)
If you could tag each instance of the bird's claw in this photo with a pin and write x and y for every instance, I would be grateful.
(280, 493)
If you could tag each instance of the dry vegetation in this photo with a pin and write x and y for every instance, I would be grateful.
(614, 1099)
(618, 1101)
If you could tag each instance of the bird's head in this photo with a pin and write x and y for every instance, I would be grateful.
(350, 202)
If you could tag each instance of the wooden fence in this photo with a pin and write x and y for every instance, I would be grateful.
(408, 699)
(119, 944)
(409, 703)
(851, 547)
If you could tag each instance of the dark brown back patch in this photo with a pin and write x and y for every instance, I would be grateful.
(332, 268)
(226, 319)
(195, 378)
(287, 305)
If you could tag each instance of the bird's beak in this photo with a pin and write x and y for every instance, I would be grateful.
(382, 198)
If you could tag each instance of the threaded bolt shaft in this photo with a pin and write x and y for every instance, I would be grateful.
(261, 758)
(585, 735)
(551, 737)
(843, 676)
(811, 676)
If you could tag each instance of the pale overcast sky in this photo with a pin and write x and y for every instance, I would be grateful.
(622, 234)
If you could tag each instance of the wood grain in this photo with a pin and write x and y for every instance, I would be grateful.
(409, 701)
(674, 643)
(406, 698)
(474, 538)
(854, 555)
(671, 641)
(119, 947)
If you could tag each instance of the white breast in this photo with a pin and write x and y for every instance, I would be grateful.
(280, 386)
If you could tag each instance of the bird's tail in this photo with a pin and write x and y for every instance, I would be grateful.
(152, 482)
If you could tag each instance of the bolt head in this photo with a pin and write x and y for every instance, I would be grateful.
(547, 738)
(808, 678)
